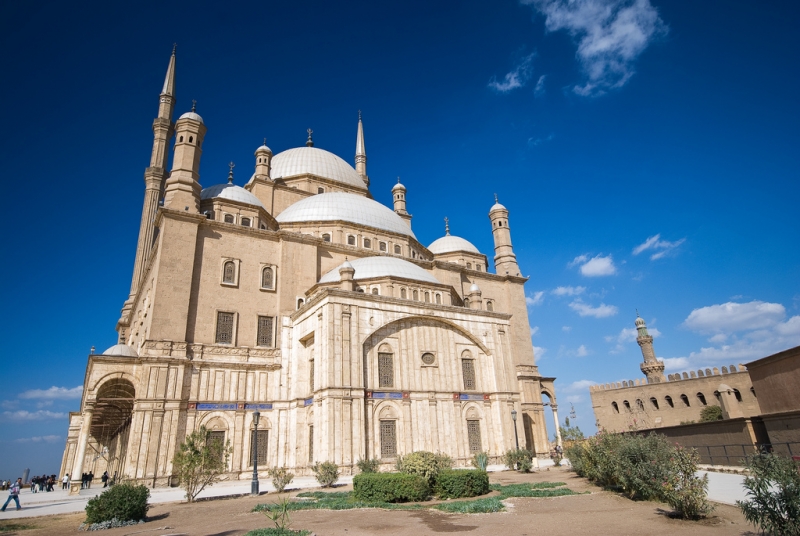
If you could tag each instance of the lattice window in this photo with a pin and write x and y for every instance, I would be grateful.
(468, 371)
(382, 246)
(397, 250)
(375, 291)
(245, 222)
(229, 272)
(224, 328)
(228, 218)
(388, 439)
(326, 237)
(263, 442)
(368, 243)
(216, 441)
(265, 324)
(385, 370)
(311, 375)
(311, 444)
(351, 240)
(474, 435)
(268, 278)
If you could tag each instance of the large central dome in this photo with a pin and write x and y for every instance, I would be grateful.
(310, 160)
(340, 206)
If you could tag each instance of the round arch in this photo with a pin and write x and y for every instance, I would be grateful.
(466, 333)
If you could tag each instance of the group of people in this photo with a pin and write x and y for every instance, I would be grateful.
(43, 483)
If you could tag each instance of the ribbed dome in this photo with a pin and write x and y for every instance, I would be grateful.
(449, 243)
(122, 350)
(371, 267)
(304, 160)
(232, 192)
(351, 208)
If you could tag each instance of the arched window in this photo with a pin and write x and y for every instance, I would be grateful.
(654, 402)
(669, 401)
(479, 267)
(397, 250)
(181, 140)
(267, 278)
(438, 299)
(375, 291)
(489, 306)
(263, 227)
(639, 404)
(300, 303)
(626, 404)
(382, 246)
(466, 303)
(245, 222)
(351, 240)
(753, 390)
(738, 395)
(702, 399)
(615, 406)
(469, 266)
(385, 367)
(320, 190)
(685, 400)
(717, 395)
(368, 243)
(403, 293)
(326, 237)
(229, 272)
(228, 218)
(416, 296)
(427, 297)
(191, 139)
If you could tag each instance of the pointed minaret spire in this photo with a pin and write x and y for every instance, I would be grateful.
(446, 226)
(309, 141)
(230, 172)
(169, 80)
(361, 152)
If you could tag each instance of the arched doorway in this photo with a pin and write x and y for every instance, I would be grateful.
(111, 423)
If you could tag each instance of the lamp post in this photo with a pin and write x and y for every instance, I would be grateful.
(254, 483)
(514, 418)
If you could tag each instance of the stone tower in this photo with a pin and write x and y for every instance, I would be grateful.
(182, 190)
(505, 262)
(399, 198)
(361, 152)
(652, 368)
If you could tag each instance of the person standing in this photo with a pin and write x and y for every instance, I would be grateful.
(13, 493)
(104, 478)
(89, 479)
(65, 481)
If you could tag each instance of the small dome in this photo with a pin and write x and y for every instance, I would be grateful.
(122, 350)
(398, 186)
(497, 206)
(346, 266)
(371, 267)
(231, 192)
(262, 149)
(639, 322)
(474, 288)
(191, 115)
(449, 243)
(314, 161)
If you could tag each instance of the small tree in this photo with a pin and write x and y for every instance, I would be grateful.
(773, 494)
(326, 473)
(570, 433)
(711, 413)
(199, 462)
(281, 477)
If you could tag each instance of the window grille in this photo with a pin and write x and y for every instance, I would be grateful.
(474, 435)
(311, 375)
(228, 218)
(478, 267)
(320, 190)
(388, 439)
(468, 370)
(263, 442)
(368, 243)
(245, 222)
(469, 266)
(351, 240)
(224, 328)
(326, 237)
(397, 250)
(375, 291)
(385, 370)
(265, 324)
(267, 278)
(229, 272)
(216, 442)
(382, 246)
(311, 443)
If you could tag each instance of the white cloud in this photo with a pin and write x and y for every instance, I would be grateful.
(601, 311)
(534, 330)
(538, 351)
(580, 259)
(731, 317)
(566, 329)
(539, 89)
(611, 35)
(568, 291)
(594, 267)
(40, 415)
(39, 439)
(536, 299)
(54, 393)
(626, 336)
(582, 351)
(675, 363)
(9, 404)
(517, 78)
(579, 385)
(574, 399)
(535, 142)
(655, 243)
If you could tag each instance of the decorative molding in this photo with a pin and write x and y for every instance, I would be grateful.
(229, 406)
(392, 395)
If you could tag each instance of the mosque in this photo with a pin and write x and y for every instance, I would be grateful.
(300, 296)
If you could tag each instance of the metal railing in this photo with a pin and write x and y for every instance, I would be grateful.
(735, 454)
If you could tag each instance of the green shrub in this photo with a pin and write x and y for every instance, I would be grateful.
(281, 477)
(369, 466)
(278, 532)
(390, 487)
(519, 459)
(458, 483)
(425, 464)
(326, 473)
(486, 505)
(480, 460)
(683, 490)
(710, 414)
(773, 491)
(126, 502)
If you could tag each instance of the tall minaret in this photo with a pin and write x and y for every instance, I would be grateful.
(361, 152)
(652, 368)
(505, 262)
(183, 186)
(154, 178)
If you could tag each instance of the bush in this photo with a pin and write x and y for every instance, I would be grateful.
(123, 502)
(390, 487)
(425, 464)
(480, 460)
(519, 459)
(200, 461)
(710, 414)
(327, 473)
(281, 477)
(278, 532)
(369, 466)
(458, 483)
(773, 490)
(683, 490)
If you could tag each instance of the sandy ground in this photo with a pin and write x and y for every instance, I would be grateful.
(599, 512)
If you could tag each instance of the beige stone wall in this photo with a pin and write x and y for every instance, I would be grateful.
(776, 379)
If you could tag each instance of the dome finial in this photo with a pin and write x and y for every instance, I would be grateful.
(637, 312)
(359, 115)
(265, 141)
(446, 226)
(309, 141)
(495, 198)
(194, 105)
(174, 48)
(230, 173)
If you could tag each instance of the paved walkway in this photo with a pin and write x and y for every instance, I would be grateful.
(722, 487)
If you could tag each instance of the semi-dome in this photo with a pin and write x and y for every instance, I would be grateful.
(231, 192)
(121, 350)
(191, 115)
(353, 208)
(314, 161)
(449, 244)
(371, 267)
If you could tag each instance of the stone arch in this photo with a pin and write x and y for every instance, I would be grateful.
(110, 376)
(386, 410)
(216, 421)
(114, 397)
(425, 318)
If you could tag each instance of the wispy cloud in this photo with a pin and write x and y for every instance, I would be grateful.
(539, 90)
(675, 363)
(39, 439)
(54, 393)
(534, 330)
(539, 352)
(611, 35)
(626, 336)
(594, 267)
(601, 311)
(535, 299)
(582, 351)
(568, 291)
(730, 317)
(663, 247)
(24, 415)
(535, 142)
(579, 385)
(518, 77)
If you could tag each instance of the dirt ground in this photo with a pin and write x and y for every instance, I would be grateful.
(599, 512)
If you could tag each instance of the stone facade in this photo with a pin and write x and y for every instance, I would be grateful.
(235, 306)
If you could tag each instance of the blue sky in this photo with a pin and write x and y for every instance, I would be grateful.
(647, 151)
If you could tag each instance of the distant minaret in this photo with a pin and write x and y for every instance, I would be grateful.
(505, 262)
(652, 368)
(399, 198)
(182, 190)
(361, 152)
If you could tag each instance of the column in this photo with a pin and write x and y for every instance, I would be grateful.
(83, 440)
(558, 427)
